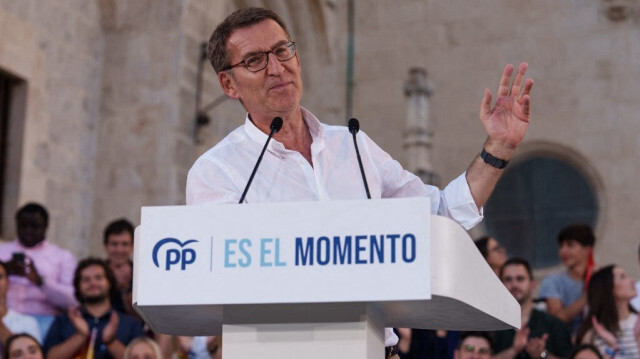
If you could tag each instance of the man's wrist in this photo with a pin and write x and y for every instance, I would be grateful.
(492, 160)
(81, 334)
(499, 149)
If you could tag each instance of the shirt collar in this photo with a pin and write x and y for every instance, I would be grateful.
(38, 246)
(88, 315)
(314, 125)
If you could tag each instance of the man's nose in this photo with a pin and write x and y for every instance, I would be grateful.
(274, 66)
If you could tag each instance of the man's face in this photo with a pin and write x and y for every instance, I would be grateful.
(119, 248)
(516, 278)
(94, 285)
(572, 253)
(270, 92)
(31, 228)
(473, 348)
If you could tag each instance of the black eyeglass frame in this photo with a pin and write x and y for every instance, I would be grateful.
(291, 45)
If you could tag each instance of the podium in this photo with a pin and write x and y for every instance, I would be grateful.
(312, 279)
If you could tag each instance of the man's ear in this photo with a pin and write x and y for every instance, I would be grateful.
(228, 84)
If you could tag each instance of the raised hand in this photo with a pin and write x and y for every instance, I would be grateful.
(520, 339)
(507, 121)
(31, 273)
(605, 334)
(109, 331)
(76, 318)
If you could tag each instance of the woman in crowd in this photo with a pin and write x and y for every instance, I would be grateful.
(611, 323)
(22, 346)
(142, 348)
(493, 252)
(585, 351)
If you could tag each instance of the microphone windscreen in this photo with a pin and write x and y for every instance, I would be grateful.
(354, 126)
(276, 124)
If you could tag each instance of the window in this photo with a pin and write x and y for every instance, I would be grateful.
(533, 201)
(12, 108)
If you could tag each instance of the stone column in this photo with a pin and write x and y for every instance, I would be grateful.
(418, 135)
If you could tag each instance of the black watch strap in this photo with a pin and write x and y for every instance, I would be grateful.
(493, 161)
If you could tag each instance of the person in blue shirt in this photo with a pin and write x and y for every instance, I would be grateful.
(95, 324)
(564, 292)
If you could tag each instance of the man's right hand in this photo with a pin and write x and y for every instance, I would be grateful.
(76, 318)
(520, 339)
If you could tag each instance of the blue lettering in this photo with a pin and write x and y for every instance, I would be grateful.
(326, 250)
(376, 247)
(188, 257)
(175, 259)
(341, 252)
(360, 248)
(264, 251)
(405, 256)
(278, 262)
(244, 244)
(304, 255)
(228, 252)
(393, 238)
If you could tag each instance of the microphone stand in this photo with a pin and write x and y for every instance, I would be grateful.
(354, 127)
(276, 125)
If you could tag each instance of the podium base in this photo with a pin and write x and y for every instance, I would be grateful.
(354, 340)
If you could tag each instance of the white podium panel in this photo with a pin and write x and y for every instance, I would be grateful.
(313, 252)
(316, 265)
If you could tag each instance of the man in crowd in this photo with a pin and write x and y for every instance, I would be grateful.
(118, 244)
(40, 272)
(95, 324)
(542, 335)
(13, 322)
(257, 64)
(564, 292)
(473, 345)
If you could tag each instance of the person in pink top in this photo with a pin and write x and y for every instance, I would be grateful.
(40, 273)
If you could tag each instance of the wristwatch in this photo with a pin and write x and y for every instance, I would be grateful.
(544, 354)
(493, 161)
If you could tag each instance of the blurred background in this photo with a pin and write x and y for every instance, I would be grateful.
(105, 104)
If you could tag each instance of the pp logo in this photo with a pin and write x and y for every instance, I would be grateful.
(175, 254)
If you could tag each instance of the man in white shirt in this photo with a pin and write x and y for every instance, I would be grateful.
(257, 64)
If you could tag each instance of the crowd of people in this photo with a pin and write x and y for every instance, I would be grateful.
(56, 307)
(53, 306)
(583, 311)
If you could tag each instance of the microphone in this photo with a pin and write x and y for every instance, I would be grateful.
(354, 127)
(276, 125)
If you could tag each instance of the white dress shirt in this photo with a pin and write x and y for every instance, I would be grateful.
(221, 173)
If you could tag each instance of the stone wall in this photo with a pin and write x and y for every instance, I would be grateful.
(109, 94)
(56, 49)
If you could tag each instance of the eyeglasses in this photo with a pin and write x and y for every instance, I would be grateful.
(257, 61)
(518, 278)
(472, 348)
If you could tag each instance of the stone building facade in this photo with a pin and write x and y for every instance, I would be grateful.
(103, 95)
